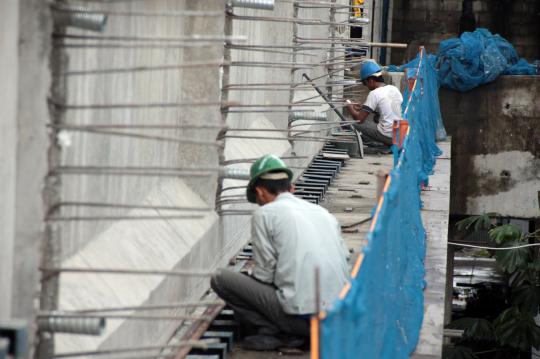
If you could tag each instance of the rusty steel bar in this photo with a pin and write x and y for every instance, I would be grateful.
(121, 316)
(192, 38)
(193, 343)
(312, 22)
(199, 64)
(121, 218)
(174, 273)
(55, 207)
(113, 106)
(201, 303)
(183, 13)
(91, 130)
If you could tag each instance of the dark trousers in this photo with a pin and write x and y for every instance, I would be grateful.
(256, 306)
(369, 129)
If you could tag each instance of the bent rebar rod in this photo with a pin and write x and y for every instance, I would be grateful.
(340, 115)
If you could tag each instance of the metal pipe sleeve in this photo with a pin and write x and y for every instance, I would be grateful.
(234, 173)
(81, 325)
(76, 16)
(309, 115)
(254, 4)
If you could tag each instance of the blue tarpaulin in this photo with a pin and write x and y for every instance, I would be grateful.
(381, 314)
(474, 59)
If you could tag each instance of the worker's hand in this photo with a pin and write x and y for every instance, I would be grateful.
(353, 107)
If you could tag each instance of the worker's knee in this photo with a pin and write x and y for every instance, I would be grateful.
(220, 280)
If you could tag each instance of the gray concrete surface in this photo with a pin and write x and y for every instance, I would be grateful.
(32, 141)
(435, 216)
(9, 32)
(495, 147)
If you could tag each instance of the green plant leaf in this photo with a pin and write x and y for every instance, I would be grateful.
(517, 330)
(458, 352)
(477, 222)
(504, 233)
(512, 259)
(475, 328)
(527, 298)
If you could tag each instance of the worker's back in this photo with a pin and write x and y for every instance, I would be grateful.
(295, 237)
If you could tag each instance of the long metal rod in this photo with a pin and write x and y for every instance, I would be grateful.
(112, 271)
(121, 218)
(124, 316)
(59, 205)
(183, 13)
(251, 160)
(135, 135)
(312, 22)
(157, 126)
(115, 46)
(193, 343)
(340, 115)
(308, 139)
(99, 171)
(201, 303)
(132, 105)
(199, 64)
(192, 38)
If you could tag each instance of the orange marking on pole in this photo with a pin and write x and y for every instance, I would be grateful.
(416, 80)
(345, 290)
(374, 221)
(314, 337)
(357, 265)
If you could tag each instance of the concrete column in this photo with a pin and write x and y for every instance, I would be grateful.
(32, 142)
(9, 30)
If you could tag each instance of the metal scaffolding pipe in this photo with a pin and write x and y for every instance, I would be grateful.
(79, 17)
(234, 173)
(73, 325)
(254, 4)
(308, 115)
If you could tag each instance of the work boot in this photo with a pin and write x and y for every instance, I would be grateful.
(289, 341)
(262, 342)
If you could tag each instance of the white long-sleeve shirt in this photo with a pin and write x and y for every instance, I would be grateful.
(292, 237)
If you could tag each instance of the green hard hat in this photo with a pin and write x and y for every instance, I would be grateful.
(265, 164)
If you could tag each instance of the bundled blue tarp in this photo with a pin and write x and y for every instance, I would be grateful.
(474, 59)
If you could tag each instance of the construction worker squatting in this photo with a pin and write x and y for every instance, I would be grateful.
(292, 239)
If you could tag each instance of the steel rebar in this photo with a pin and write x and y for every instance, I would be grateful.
(113, 271)
(191, 343)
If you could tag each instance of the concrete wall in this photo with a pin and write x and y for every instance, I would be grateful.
(495, 147)
(30, 150)
(148, 97)
(421, 22)
(9, 31)
(236, 229)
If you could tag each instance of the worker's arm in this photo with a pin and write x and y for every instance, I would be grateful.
(359, 114)
(264, 253)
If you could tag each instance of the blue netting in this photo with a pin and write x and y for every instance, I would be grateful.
(474, 59)
(381, 315)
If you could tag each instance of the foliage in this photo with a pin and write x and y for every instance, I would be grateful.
(504, 233)
(459, 352)
(517, 329)
(513, 259)
(477, 222)
(514, 328)
(475, 328)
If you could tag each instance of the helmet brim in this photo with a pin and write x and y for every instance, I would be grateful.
(250, 189)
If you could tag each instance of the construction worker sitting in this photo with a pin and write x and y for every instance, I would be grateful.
(292, 239)
(383, 100)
